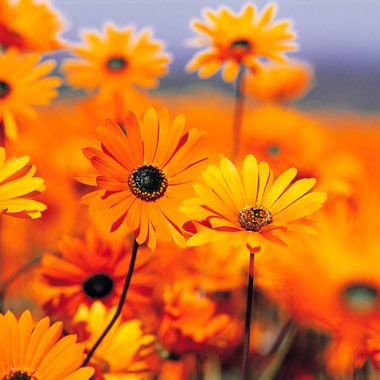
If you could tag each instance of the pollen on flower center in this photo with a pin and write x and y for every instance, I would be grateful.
(254, 218)
(117, 63)
(19, 375)
(98, 285)
(5, 89)
(148, 183)
(361, 298)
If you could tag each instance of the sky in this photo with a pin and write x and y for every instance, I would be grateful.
(340, 38)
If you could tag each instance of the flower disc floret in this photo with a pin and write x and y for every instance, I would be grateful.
(99, 285)
(148, 183)
(254, 218)
(5, 89)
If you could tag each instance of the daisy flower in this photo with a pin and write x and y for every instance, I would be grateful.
(126, 353)
(144, 173)
(116, 60)
(23, 84)
(280, 82)
(31, 351)
(17, 185)
(191, 322)
(91, 269)
(29, 25)
(232, 40)
(252, 210)
(332, 283)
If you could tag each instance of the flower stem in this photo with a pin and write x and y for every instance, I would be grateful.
(238, 112)
(248, 313)
(119, 306)
(4, 286)
(199, 366)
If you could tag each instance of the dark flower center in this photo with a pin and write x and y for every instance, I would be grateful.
(117, 63)
(254, 218)
(98, 285)
(19, 375)
(241, 44)
(148, 183)
(5, 89)
(273, 150)
(361, 298)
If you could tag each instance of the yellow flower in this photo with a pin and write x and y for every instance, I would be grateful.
(29, 26)
(35, 351)
(126, 352)
(234, 40)
(251, 211)
(23, 83)
(17, 184)
(115, 61)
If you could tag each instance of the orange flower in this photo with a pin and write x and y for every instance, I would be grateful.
(235, 40)
(279, 82)
(23, 83)
(17, 184)
(29, 26)
(332, 283)
(144, 173)
(127, 353)
(116, 61)
(190, 322)
(35, 351)
(253, 211)
(268, 132)
(94, 269)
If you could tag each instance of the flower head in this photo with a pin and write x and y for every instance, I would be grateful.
(280, 82)
(233, 40)
(144, 173)
(254, 210)
(17, 184)
(35, 351)
(190, 321)
(126, 353)
(29, 26)
(92, 269)
(331, 282)
(115, 61)
(23, 84)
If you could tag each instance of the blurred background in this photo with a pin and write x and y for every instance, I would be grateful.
(340, 38)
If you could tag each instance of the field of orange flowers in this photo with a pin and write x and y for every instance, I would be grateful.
(205, 234)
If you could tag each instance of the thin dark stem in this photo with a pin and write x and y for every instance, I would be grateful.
(238, 112)
(248, 313)
(18, 273)
(284, 331)
(199, 365)
(119, 306)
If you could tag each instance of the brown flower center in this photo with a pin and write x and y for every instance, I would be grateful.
(117, 63)
(254, 218)
(361, 298)
(19, 375)
(148, 183)
(5, 89)
(99, 285)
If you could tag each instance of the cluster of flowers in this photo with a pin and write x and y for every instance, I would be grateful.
(162, 253)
